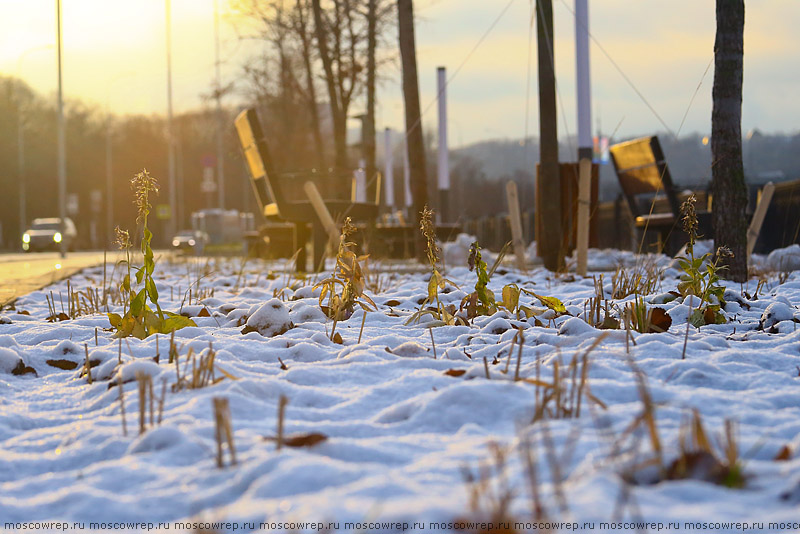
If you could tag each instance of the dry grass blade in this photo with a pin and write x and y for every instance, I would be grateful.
(491, 495)
(223, 430)
(282, 402)
(87, 366)
(145, 383)
(643, 279)
(567, 389)
(122, 406)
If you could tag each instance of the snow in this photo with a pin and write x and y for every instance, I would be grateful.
(270, 319)
(403, 423)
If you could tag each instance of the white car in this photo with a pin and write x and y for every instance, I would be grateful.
(48, 234)
(190, 241)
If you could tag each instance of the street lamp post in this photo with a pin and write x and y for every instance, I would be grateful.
(220, 119)
(170, 141)
(62, 147)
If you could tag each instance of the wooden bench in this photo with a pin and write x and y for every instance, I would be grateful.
(646, 182)
(273, 194)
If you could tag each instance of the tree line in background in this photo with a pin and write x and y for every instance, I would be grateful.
(319, 62)
(314, 59)
(315, 64)
(136, 142)
(140, 142)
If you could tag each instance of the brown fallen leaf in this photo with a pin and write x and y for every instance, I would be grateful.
(610, 323)
(455, 372)
(337, 338)
(708, 316)
(301, 440)
(204, 313)
(22, 369)
(660, 321)
(784, 454)
(66, 365)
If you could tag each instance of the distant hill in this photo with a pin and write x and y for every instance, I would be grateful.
(766, 157)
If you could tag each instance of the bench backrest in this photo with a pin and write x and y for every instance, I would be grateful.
(256, 153)
(642, 169)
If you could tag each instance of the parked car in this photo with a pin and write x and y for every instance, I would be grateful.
(48, 234)
(190, 241)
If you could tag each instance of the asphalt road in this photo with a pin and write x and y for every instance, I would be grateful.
(22, 273)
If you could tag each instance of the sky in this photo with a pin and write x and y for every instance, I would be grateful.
(115, 57)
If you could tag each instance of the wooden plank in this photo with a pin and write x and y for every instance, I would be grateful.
(516, 224)
(322, 212)
(758, 216)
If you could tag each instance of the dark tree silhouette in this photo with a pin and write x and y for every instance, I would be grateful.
(415, 142)
(727, 172)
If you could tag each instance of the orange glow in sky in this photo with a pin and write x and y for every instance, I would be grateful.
(114, 53)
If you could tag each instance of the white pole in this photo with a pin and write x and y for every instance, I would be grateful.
(62, 142)
(361, 182)
(173, 205)
(406, 174)
(584, 98)
(388, 160)
(444, 162)
(583, 78)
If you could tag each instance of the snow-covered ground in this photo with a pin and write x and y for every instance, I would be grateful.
(405, 433)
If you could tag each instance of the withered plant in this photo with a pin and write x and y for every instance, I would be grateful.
(432, 305)
(345, 287)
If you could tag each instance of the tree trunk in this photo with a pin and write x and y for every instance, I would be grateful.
(548, 243)
(416, 148)
(337, 113)
(369, 120)
(728, 184)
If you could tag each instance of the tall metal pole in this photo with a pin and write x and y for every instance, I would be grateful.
(583, 79)
(109, 183)
(406, 178)
(444, 162)
(220, 118)
(62, 142)
(173, 205)
(23, 215)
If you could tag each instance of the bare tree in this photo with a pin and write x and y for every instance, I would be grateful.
(339, 38)
(282, 78)
(727, 173)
